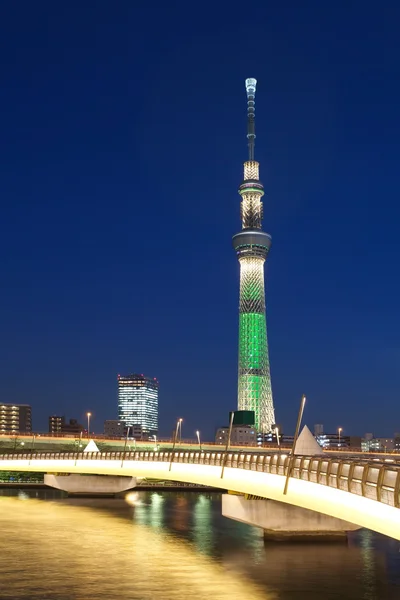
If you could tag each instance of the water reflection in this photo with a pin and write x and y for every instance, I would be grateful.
(86, 553)
(171, 545)
(202, 526)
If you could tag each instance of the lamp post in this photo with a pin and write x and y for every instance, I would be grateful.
(180, 431)
(126, 441)
(32, 447)
(296, 435)
(155, 443)
(198, 439)
(277, 436)
(88, 423)
(228, 442)
(339, 432)
(178, 426)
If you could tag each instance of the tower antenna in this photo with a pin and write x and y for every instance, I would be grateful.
(251, 95)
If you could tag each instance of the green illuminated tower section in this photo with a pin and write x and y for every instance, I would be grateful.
(252, 246)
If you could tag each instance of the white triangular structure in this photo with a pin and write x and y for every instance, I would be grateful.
(307, 444)
(91, 447)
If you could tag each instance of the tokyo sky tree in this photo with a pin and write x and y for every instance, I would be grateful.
(252, 246)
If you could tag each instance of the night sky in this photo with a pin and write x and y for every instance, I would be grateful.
(122, 141)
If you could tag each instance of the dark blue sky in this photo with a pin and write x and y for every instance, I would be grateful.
(121, 150)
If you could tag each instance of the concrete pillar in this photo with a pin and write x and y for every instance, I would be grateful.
(285, 522)
(90, 485)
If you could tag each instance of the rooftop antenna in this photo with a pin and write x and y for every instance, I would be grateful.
(251, 95)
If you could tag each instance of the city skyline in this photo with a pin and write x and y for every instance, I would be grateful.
(120, 158)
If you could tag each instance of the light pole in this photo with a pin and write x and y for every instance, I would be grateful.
(296, 435)
(126, 441)
(178, 426)
(32, 447)
(88, 423)
(180, 431)
(155, 443)
(228, 442)
(277, 435)
(198, 439)
(339, 432)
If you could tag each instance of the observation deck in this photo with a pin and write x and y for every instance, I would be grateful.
(252, 243)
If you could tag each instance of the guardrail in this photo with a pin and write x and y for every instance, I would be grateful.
(380, 482)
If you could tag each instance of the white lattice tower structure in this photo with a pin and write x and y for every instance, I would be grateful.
(252, 246)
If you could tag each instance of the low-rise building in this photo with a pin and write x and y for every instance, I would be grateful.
(114, 428)
(73, 427)
(372, 444)
(333, 441)
(56, 424)
(242, 435)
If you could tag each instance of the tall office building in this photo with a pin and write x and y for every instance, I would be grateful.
(15, 418)
(138, 402)
(252, 246)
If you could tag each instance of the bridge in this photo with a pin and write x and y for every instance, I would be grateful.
(360, 492)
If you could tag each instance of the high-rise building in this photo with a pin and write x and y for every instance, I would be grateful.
(138, 402)
(252, 246)
(15, 418)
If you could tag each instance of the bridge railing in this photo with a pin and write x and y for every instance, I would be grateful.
(377, 481)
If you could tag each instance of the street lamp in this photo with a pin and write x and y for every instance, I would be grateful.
(296, 435)
(155, 443)
(180, 430)
(88, 423)
(277, 435)
(198, 439)
(339, 432)
(178, 427)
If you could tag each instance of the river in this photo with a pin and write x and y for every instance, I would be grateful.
(174, 546)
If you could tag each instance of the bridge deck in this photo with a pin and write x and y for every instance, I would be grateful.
(364, 492)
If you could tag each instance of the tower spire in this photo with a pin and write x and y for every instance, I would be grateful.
(251, 95)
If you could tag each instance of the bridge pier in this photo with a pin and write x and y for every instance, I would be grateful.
(285, 522)
(90, 485)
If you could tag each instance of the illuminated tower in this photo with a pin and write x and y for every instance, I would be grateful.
(252, 246)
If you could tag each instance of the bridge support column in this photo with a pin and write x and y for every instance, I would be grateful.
(90, 485)
(285, 522)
